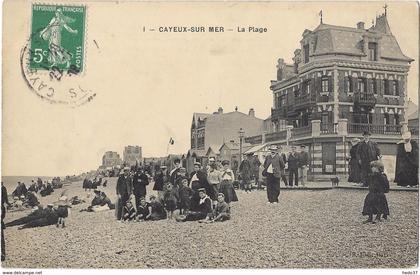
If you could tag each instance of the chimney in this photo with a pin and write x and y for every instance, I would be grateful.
(251, 112)
(280, 69)
(361, 25)
(220, 110)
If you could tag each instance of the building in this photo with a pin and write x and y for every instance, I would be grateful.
(413, 118)
(110, 159)
(132, 155)
(212, 130)
(343, 81)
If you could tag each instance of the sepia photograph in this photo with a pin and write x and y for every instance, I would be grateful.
(209, 135)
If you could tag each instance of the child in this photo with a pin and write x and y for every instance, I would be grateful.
(226, 186)
(203, 210)
(170, 199)
(158, 211)
(222, 211)
(144, 211)
(185, 194)
(62, 211)
(129, 212)
(375, 201)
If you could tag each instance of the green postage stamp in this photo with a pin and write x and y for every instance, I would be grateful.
(57, 40)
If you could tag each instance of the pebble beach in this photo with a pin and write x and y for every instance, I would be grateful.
(307, 229)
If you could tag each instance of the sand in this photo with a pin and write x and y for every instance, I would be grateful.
(307, 229)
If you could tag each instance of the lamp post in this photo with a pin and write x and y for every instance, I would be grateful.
(241, 135)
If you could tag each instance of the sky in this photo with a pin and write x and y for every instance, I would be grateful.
(149, 84)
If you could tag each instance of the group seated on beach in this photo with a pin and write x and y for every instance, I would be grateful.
(158, 210)
(100, 202)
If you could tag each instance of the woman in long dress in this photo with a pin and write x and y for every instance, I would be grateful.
(354, 168)
(407, 166)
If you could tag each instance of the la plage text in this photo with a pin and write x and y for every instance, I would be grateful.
(218, 29)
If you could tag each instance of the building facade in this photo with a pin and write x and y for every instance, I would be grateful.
(111, 159)
(343, 81)
(132, 155)
(212, 130)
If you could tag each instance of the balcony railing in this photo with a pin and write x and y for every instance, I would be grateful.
(379, 129)
(279, 112)
(327, 129)
(276, 136)
(303, 100)
(302, 131)
(365, 99)
(254, 139)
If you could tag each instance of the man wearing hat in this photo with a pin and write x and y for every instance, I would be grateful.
(174, 174)
(124, 191)
(273, 167)
(354, 168)
(303, 164)
(293, 166)
(140, 181)
(367, 151)
(407, 165)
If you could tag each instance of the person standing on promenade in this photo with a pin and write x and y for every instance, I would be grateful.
(354, 169)
(292, 162)
(255, 165)
(407, 165)
(284, 158)
(124, 191)
(303, 165)
(367, 151)
(273, 165)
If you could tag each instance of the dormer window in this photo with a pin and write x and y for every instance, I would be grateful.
(373, 51)
(306, 53)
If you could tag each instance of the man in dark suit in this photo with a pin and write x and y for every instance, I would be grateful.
(273, 166)
(140, 181)
(367, 151)
(293, 162)
(124, 190)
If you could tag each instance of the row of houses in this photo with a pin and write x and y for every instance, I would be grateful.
(131, 156)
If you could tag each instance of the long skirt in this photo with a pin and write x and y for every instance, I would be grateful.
(273, 188)
(375, 203)
(354, 171)
(226, 187)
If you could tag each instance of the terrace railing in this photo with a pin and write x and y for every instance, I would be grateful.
(302, 131)
(379, 129)
(281, 135)
(327, 129)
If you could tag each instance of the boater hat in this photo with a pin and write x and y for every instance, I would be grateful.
(202, 190)
(273, 148)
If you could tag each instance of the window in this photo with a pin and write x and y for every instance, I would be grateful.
(324, 118)
(373, 51)
(347, 85)
(395, 87)
(283, 100)
(373, 86)
(387, 121)
(296, 91)
(306, 87)
(306, 53)
(386, 86)
(325, 83)
(361, 87)
(397, 119)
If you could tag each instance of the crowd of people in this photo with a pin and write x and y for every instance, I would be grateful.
(200, 195)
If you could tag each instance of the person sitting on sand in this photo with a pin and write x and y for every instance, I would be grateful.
(222, 210)
(144, 211)
(20, 190)
(129, 212)
(203, 209)
(99, 203)
(33, 187)
(31, 200)
(158, 211)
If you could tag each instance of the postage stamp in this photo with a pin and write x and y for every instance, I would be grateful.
(57, 40)
(53, 59)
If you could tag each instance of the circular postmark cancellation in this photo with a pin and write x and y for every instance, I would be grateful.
(52, 61)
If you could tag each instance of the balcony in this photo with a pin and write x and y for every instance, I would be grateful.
(282, 135)
(378, 129)
(302, 131)
(328, 129)
(304, 100)
(364, 99)
(279, 112)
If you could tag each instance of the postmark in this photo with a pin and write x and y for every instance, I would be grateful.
(52, 60)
